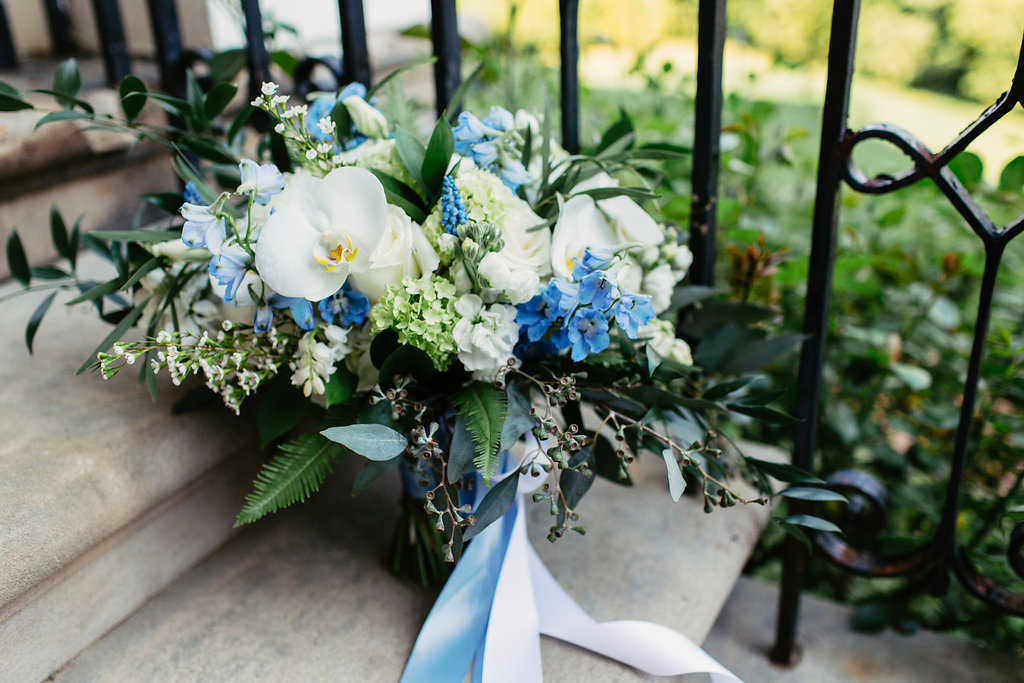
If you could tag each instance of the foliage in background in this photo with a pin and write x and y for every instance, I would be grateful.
(906, 288)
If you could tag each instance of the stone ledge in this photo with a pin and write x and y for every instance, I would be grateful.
(81, 458)
(305, 595)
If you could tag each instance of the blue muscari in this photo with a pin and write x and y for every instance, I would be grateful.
(347, 307)
(576, 314)
(453, 213)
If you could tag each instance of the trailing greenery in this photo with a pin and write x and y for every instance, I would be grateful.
(484, 409)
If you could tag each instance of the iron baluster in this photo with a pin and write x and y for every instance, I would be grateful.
(842, 44)
(163, 18)
(116, 60)
(707, 131)
(444, 32)
(255, 48)
(8, 57)
(58, 20)
(568, 13)
(354, 54)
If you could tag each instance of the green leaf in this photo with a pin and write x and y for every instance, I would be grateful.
(676, 482)
(412, 153)
(58, 232)
(66, 115)
(17, 262)
(37, 317)
(687, 296)
(140, 272)
(193, 95)
(73, 240)
(459, 95)
(463, 448)
(397, 72)
(213, 150)
(238, 125)
(812, 493)
(291, 477)
(763, 413)
(281, 407)
(122, 326)
(723, 389)
(133, 96)
(495, 504)
(67, 81)
(372, 441)
(621, 128)
(144, 236)
(915, 377)
(168, 202)
(98, 291)
(369, 473)
(218, 99)
(575, 484)
(1012, 177)
(484, 409)
(599, 193)
(968, 167)
(754, 355)
(437, 156)
(10, 98)
(783, 472)
(871, 617)
(812, 522)
(340, 386)
(406, 360)
(518, 421)
(74, 101)
(402, 196)
(48, 273)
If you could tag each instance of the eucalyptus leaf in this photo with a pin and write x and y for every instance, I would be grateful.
(66, 115)
(37, 317)
(518, 421)
(58, 232)
(495, 504)
(783, 472)
(812, 493)
(676, 482)
(218, 99)
(369, 473)
(463, 449)
(17, 262)
(133, 97)
(372, 441)
(812, 522)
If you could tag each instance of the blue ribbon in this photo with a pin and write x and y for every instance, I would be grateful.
(453, 635)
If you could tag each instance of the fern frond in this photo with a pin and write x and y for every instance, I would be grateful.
(291, 477)
(484, 408)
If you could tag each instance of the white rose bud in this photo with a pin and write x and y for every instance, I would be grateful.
(368, 120)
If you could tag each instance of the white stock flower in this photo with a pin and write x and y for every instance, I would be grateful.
(321, 230)
(663, 344)
(659, 284)
(485, 335)
(518, 284)
(403, 251)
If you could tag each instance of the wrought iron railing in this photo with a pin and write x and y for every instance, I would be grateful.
(937, 555)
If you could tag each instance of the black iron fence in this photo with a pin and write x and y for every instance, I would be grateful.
(936, 557)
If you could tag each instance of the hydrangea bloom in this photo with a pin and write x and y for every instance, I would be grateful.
(422, 312)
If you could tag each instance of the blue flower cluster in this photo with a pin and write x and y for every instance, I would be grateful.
(577, 314)
(453, 213)
(346, 307)
(192, 193)
(491, 143)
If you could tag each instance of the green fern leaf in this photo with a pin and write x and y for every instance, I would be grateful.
(291, 477)
(484, 408)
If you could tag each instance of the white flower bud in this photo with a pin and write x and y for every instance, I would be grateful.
(368, 120)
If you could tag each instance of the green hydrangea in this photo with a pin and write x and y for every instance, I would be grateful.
(380, 155)
(422, 312)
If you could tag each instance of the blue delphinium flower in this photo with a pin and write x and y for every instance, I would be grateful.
(587, 330)
(263, 181)
(632, 311)
(301, 309)
(597, 291)
(203, 227)
(263, 319)
(347, 307)
(319, 108)
(594, 258)
(541, 312)
(453, 213)
(491, 143)
(228, 268)
(192, 193)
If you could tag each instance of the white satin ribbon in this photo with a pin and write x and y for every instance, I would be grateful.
(528, 601)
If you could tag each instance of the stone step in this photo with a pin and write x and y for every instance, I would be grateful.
(304, 596)
(105, 497)
(832, 652)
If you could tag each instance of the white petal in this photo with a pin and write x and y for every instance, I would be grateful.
(581, 225)
(284, 257)
(356, 205)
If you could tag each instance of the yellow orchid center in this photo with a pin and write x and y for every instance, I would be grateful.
(343, 252)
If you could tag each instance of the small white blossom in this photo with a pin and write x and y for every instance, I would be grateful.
(279, 129)
(278, 100)
(299, 110)
(327, 126)
(268, 88)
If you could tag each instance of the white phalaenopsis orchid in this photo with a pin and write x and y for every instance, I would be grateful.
(321, 230)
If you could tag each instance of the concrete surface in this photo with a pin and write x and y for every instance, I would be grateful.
(834, 653)
(304, 596)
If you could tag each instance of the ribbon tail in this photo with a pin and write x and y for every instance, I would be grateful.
(456, 627)
(655, 649)
(512, 647)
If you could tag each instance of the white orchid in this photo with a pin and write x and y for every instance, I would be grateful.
(321, 230)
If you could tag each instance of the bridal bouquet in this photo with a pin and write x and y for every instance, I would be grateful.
(466, 306)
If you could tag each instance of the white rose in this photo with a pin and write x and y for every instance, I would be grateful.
(485, 335)
(629, 221)
(518, 284)
(403, 251)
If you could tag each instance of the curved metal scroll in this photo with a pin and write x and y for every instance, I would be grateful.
(943, 550)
